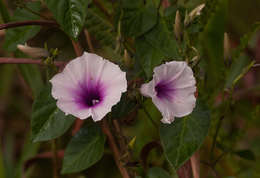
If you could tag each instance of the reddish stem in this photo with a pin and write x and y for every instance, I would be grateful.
(29, 22)
(77, 48)
(113, 146)
(7, 60)
(185, 171)
(45, 155)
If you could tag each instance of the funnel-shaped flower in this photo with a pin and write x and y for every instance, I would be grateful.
(88, 86)
(172, 90)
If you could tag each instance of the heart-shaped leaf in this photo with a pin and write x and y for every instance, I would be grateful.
(85, 149)
(140, 19)
(48, 122)
(185, 135)
(155, 46)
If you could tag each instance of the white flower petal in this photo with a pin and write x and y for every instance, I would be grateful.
(100, 112)
(75, 70)
(148, 89)
(184, 101)
(69, 107)
(169, 71)
(61, 87)
(186, 79)
(165, 108)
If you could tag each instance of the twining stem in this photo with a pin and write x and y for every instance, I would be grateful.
(29, 22)
(55, 159)
(114, 148)
(77, 48)
(44, 155)
(7, 60)
(215, 137)
(185, 171)
(91, 48)
(195, 165)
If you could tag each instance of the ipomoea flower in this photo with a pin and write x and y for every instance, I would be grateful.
(88, 86)
(172, 90)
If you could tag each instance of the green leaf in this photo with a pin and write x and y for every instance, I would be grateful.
(139, 20)
(20, 35)
(157, 172)
(85, 149)
(246, 154)
(48, 122)
(213, 41)
(124, 107)
(238, 69)
(185, 135)
(32, 76)
(155, 46)
(101, 29)
(70, 14)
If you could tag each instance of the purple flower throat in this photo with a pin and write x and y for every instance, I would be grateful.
(89, 95)
(164, 90)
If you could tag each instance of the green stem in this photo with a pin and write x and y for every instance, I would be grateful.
(215, 137)
(227, 108)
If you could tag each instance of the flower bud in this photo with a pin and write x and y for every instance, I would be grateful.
(33, 52)
(127, 59)
(227, 48)
(177, 26)
(193, 14)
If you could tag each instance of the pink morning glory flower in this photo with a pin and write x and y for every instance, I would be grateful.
(172, 90)
(88, 86)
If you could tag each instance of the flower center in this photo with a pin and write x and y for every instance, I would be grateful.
(89, 95)
(92, 98)
(164, 90)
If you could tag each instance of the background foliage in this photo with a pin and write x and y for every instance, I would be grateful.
(223, 129)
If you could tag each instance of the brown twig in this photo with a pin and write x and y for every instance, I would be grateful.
(29, 22)
(91, 49)
(7, 60)
(77, 48)
(45, 155)
(77, 126)
(113, 146)
(55, 159)
(146, 151)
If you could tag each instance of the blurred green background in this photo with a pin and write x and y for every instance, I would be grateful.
(240, 132)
